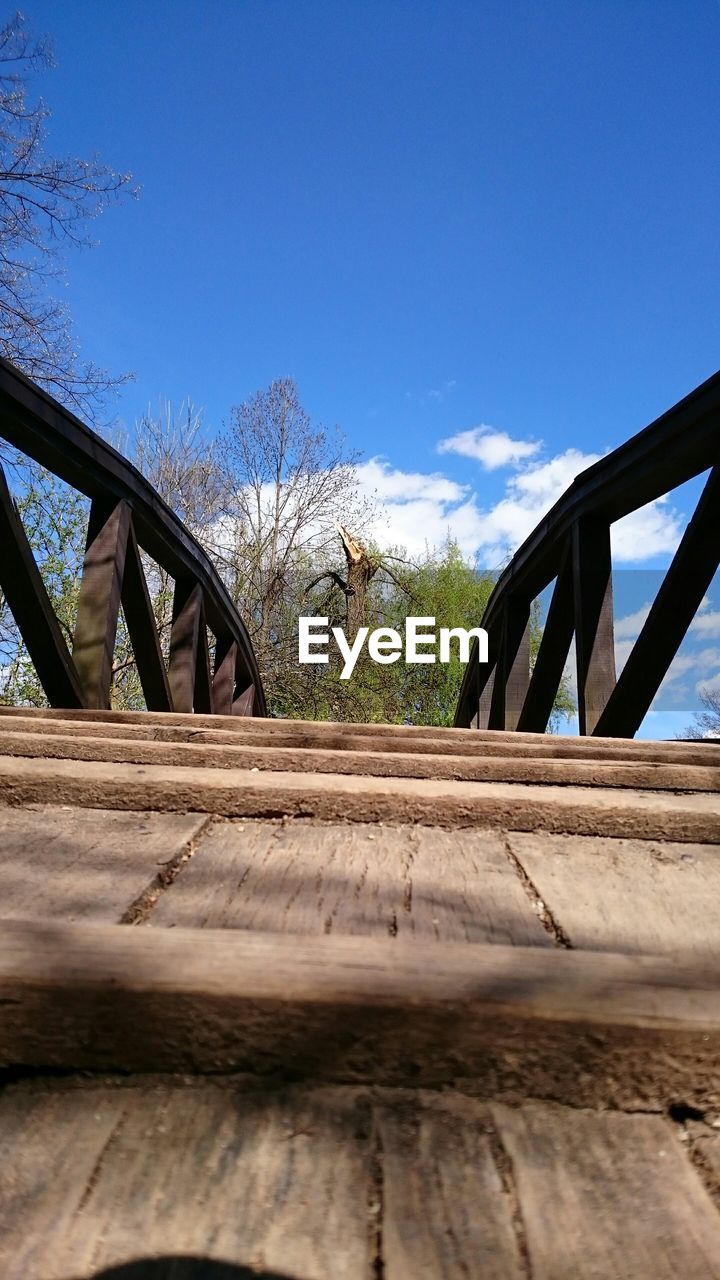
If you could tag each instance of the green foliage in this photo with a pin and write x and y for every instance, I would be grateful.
(442, 586)
(55, 520)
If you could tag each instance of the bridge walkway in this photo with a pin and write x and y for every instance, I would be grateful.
(340, 1002)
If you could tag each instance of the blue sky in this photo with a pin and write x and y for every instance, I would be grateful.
(435, 217)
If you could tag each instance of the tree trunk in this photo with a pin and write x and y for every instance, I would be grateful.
(361, 569)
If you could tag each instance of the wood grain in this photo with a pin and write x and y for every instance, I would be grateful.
(380, 764)
(96, 1177)
(444, 1208)
(397, 881)
(331, 797)
(608, 1196)
(627, 895)
(632, 1031)
(84, 864)
(356, 737)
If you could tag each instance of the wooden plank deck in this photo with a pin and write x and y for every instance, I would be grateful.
(312, 1002)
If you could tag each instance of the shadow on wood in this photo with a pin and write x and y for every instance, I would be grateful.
(184, 1268)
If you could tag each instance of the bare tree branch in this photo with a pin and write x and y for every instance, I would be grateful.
(46, 203)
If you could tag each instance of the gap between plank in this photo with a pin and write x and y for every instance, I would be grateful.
(503, 1162)
(97, 1168)
(140, 909)
(376, 1203)
(539, 906)
(704, 1169)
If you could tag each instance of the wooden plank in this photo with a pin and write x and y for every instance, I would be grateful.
(678, 600)
(85, 864)
(445, 1211)
(626, 773)
(99, 600)
(703, 1147)
(628, 1200)
(518, 667)
(593, 599)
(608, 1030)
(51, 1146)
(627, 895)
(108, 1176)
(478, 683)
(301, 734)
(332, 797)
(403, 881)
(30, 606)
(466, 740)
(142, 627)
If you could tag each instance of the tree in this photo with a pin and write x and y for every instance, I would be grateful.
(706, 723)
(288, 484)
(171, 450)
(46, 203)
(442, 586)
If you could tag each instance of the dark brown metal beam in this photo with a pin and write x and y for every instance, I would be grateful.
(552, 654)
(187, 611)
(99, 600)
(684, 585)
(142, 627)
(244, 703)
(512, 672)
(593, 599)
(45, 430)
(203, 688)
(224, 679)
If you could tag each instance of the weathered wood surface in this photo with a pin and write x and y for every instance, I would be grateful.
(322, 1183)
(446, 1210)
(652, 776)
(435, 950)
(352, 737)
(98, 1176)
(332, 797)
(604, 1029)
(607, 1196)
(86, 864)
(359, 879)
(627, 895)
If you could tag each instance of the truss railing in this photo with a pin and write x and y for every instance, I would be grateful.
(572, 547)
(127, 516)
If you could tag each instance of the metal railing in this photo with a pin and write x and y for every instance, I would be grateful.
(571, 545)
(126, 516)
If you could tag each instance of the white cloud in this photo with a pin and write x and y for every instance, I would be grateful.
(422, 509)
(707, 624)
(491, 448)
(709, 686)
(392, 485)
(629, 627)
(653, 530)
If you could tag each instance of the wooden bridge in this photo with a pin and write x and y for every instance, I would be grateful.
(353, 1002)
